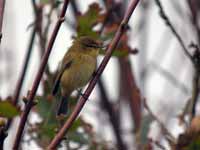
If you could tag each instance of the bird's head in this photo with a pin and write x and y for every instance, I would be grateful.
(91, 43)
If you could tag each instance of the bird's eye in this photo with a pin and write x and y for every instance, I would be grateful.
(91, 43)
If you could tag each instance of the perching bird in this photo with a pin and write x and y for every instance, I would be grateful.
(78, 65)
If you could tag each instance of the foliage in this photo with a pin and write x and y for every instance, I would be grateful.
(7, 109)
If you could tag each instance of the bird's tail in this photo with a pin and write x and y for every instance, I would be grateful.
(63, 106)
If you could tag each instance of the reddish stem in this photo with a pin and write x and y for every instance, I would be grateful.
(33, 91)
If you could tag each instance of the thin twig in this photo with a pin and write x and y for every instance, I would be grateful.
(2, 6)
(75, 8)
(195, 59)
(26, 62)
(34, 5)
(31, 96)
(194, 8)
(3, 135)
(167, 134)
(169, 24)
(196, 78)
(195, 93)
(22, 75)
(57, 139)
(135, 98)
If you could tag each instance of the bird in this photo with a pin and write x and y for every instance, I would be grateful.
(77, 67)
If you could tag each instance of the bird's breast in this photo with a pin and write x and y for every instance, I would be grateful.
(79, 72)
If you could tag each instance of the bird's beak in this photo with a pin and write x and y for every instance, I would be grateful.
(101, 45)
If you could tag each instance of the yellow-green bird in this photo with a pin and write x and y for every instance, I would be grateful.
(78, 65)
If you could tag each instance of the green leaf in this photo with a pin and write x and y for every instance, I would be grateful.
(8, 110)
(48, 130)
(88, 20)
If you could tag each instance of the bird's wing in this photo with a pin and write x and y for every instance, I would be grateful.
(65, 66)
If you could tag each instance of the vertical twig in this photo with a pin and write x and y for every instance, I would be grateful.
(169, 24)
(135, 98)
(3, 135)
(75, 8)
(195, 92)
(57, 139)
(196, 78)
(22, 75)
(31, 96)
(23, 72)
(2, 6)
(112, 115)
(194, 8)
(195, 59)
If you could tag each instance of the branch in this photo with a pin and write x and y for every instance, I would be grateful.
(134, 96)
(195, 59)
(2, 6)
(21, 78)
(168, 135)
(34, 6)
(3, 133)
(195, 93)
(75, 8)
(22, 75)
(31, 96)
(169, 24)
(196, 78)
(57, 139)
(194, 8)
(112, 115)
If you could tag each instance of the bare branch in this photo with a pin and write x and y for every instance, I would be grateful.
(168, 135)
(2, 6)
(169, 24)
(112, 115)
(31, 96)
(22, 75)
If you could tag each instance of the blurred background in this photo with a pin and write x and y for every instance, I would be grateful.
(144, 91)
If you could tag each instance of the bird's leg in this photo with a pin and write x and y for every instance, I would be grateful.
(94, 74)
(82, 94)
